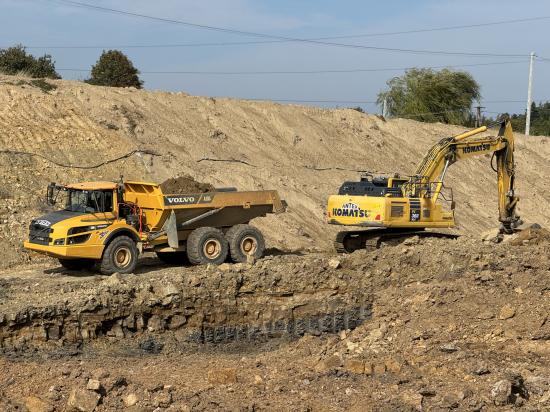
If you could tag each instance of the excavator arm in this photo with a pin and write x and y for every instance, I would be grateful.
(430, 174)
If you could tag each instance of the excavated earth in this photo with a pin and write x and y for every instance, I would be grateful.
(422, 324)
(425, 324)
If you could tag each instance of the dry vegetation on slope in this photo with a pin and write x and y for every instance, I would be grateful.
(303, 152)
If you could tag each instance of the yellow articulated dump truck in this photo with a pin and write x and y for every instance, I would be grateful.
(109, 224)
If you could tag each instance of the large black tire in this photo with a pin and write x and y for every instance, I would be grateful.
(244, 241)
(121, 255)
(77, 264)
(173, 258)
(207, 245)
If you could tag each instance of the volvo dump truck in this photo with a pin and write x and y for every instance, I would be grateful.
(107, 224)
(397, 206)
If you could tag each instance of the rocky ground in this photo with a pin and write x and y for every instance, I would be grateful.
(425, 324)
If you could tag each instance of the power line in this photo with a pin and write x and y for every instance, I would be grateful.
(352, 36)
(275, 37)
(269, 72)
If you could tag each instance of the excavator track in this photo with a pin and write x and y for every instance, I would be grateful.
(370, 239)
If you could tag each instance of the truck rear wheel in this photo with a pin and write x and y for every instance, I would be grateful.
(207, 245)
(77, 264)
(120, 256)
(244, 241)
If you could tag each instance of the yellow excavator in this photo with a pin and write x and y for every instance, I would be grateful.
(397, 206)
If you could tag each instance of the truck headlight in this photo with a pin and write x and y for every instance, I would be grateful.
(84, 229)
(58, 242)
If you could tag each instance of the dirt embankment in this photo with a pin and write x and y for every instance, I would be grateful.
(446, 325)
(305, 153)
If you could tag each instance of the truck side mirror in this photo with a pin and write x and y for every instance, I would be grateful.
(49, 194)
(120, 193)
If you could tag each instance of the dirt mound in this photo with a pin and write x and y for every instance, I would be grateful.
(436, 324)
(184, 184)
(532, 235)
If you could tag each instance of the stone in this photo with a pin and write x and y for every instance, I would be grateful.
(411, 241)
(501, 392)
(491, 235)
(481, 370)
(537, 385)
(427, 392)
(448, 348)
(331, 362)
(155, 324)
(116, 331)
(507, 312)
(168, 290)
(392, 365)
(35, 404)
(225, 376)
(356, 366)
(334, 263)
(130, 400)
(225, 267)
(93, 385)
(176, 322)
(379, 369)
(162, 399)
(258, 380)
(82, 400)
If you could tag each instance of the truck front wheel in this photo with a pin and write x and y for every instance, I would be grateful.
(244, 241)
(207, 245)
(120, 256)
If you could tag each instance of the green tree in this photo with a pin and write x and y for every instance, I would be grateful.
(16, 60)
(115, 69)
(431, 96)
(540, 120)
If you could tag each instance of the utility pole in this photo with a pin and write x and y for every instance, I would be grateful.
(529, 94)
(478, 115)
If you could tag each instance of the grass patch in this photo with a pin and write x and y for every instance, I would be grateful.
(43, 85)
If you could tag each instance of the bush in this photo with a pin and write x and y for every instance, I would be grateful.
(15, 60)
(114, 69)
(427, 95)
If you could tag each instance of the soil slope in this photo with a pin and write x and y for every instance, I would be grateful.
(304, 152)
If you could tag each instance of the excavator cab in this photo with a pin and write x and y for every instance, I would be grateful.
(371, 185)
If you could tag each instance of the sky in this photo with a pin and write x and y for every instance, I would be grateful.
(45, 25)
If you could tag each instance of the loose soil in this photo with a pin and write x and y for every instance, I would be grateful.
(432, 324)
(184, 184)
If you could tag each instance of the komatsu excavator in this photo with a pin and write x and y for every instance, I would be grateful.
(397, 206)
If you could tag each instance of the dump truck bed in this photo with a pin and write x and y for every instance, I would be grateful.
(216, 209)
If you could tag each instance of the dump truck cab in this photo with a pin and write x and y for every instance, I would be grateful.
(109, 224)
(78, 230)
